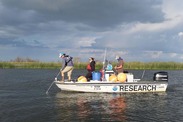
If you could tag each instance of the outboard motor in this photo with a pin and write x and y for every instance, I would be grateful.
(160, 76)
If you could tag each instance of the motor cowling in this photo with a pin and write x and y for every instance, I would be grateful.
(160, 76)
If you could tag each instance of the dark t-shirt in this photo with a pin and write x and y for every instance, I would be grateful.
(92, 64)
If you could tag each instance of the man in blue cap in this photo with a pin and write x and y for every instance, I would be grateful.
(67, 65)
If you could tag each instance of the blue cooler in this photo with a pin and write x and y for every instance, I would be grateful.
(96, 75)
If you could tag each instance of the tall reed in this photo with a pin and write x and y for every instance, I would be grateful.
(99, 65)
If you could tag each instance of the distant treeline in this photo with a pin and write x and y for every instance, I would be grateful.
(99, 65)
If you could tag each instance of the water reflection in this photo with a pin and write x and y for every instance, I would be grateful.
(83, 108)
(91, 106)
(117, 108)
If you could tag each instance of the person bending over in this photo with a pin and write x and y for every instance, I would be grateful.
(67, 65)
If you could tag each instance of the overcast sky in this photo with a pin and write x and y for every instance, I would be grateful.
(137, 30)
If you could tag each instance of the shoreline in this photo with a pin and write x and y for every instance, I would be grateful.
(99, 65)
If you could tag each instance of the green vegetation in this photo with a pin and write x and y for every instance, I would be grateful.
(35, 64)
(28, 63)
(154, 65)
(99, 65)
(32, 65)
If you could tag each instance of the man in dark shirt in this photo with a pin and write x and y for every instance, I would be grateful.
(90, 68)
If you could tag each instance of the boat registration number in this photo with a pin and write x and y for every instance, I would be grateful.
(97, 88)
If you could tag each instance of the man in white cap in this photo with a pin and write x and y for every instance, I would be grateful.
(119, 67)
(67, 65)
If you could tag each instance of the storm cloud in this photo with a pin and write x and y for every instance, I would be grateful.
(136, 30)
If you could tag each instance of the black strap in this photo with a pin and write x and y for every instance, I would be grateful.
(70, 58)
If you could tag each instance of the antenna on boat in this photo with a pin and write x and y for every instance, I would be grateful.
(104, 62)
(104, 58)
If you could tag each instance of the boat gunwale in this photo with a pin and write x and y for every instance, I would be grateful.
(109, 83)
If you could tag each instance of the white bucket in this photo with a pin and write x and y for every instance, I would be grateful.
(107, 77)
(129, 77)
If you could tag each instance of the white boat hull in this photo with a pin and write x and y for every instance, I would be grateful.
(112, 87)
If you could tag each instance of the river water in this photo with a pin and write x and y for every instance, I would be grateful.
(23, 98)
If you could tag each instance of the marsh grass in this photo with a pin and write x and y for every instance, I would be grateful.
(31, 65)
(99, 65)
(154, 65)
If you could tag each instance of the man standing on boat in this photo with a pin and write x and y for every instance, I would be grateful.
(119, 67)
(67, 65)
(90, 68)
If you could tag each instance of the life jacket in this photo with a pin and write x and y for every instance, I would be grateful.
(88, 67)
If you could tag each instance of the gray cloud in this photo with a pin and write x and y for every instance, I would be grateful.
(21, 43)
(94, 13)
(81, 27)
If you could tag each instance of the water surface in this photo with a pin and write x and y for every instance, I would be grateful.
(23, 98)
